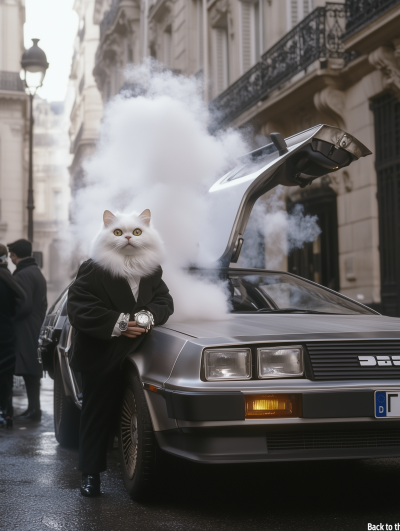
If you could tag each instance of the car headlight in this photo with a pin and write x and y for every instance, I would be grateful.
(280, 362)
(227, 364)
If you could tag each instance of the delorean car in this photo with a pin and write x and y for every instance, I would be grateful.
(298, 372)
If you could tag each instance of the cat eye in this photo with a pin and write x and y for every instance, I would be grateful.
(118, 232)
(137, 232)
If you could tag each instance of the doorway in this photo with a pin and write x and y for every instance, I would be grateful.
(319, 260)
(386, 109)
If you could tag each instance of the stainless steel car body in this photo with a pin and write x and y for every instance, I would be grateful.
(170, 360)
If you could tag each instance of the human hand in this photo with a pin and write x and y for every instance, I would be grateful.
(133, 331)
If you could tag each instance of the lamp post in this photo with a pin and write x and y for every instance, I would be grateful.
(34, 65)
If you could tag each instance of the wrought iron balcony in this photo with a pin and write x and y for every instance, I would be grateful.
(318, 36)
(359, 13)
(11, 81)
(109, 17)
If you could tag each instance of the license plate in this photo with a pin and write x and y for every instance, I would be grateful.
(387, 404)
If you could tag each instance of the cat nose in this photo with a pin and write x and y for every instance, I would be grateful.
(128, 237)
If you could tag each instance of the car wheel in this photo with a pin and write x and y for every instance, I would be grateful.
(66, 414)
(138, 449)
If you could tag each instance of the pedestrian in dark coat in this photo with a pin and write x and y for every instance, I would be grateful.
(28, 323)
(11, 297)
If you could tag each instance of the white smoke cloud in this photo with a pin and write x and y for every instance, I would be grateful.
(155, 152)
(272, 232)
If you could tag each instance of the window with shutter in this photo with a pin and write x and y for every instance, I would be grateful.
(294, 12)
(249, 36)
(220, 37)
(307, 7)
(200, 38)
(168, 47)
(246, 37)
(297, 10)
(257, 31)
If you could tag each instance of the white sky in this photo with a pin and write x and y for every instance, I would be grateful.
(55, 24)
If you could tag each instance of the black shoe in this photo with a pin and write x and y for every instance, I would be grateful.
(90, 485)
(23, 415)
(30, 414)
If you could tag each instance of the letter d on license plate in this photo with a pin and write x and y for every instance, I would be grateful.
(387, 403)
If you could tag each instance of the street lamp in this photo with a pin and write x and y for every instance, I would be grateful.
(34, 65)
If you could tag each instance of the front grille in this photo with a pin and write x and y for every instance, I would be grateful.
(339, 360)
(320, 440)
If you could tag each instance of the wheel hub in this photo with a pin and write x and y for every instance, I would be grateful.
(129, 432)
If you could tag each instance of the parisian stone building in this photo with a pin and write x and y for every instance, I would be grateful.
(50, 156)
(51, 159)
(13, 124)
(340, 65)
(286, 65)
(87, 107)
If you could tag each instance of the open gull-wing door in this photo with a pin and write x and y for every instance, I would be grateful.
(297, 160)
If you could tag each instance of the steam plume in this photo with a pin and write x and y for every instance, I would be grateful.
(155, 152)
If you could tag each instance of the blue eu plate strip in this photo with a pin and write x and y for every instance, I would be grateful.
(380, 404)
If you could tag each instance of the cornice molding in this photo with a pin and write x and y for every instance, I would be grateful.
(13, 95)
(387, 60)
(219, 9)
(160, 9)
(331, 101)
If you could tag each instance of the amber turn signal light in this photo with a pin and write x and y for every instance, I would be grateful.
(272, 406)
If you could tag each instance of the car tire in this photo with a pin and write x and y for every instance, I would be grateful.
(140, 455)
(66, 414)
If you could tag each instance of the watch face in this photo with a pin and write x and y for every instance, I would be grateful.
(142, 319)
(123, 325)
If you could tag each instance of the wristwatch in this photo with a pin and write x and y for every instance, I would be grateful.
(144, 319)
(123, 324)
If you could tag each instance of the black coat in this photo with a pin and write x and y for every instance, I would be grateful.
(29, 321)
(95, 301)
(11, 297)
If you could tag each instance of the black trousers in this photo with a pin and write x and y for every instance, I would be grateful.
(6, 391)
(32, 384)
(101, 402)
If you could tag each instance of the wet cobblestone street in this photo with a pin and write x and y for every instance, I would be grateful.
(39, 490)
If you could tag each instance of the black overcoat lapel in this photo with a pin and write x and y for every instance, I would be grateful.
(145, 292)
(120, 292)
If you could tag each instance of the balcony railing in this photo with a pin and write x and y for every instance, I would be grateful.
(11, 81)
(359, 13)
(109, 17)
(318, 36)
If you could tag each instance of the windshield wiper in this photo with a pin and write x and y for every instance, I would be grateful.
(288, 310)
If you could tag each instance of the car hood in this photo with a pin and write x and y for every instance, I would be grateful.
(298, 327)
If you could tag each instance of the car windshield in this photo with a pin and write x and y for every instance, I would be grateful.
(273, 292)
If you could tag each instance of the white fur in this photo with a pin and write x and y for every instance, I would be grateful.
(139, 257)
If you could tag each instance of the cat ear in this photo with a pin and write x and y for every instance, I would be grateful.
(146, 216)
(108, 217)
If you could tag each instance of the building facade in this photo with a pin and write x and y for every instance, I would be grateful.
(50, 156)
(87, 108)
(339, 66)
(51, 159)
(285, 65)
(180, 34)
(14, 124)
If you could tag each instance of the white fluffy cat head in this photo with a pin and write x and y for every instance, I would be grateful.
(128, 245)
